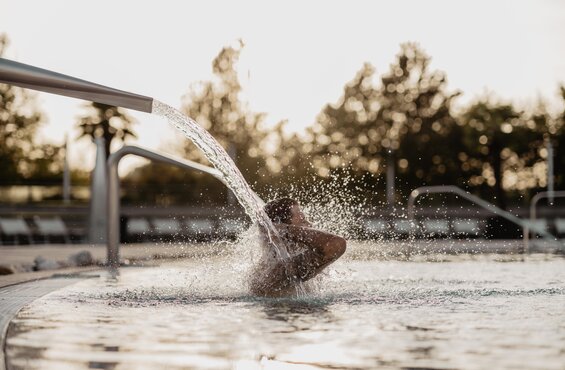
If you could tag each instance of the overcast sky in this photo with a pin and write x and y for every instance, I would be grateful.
(298, 54)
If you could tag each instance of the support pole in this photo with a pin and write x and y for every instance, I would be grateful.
(390, 179)
(98, 205)
(113, 209)
(232, 152)
(66, 175)
(550, 178)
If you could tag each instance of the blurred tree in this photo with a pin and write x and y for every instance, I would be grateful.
(540, 128)
(106, 121)
(172, 186)
(416, 124)
(216, 105)
(408, 114)
(21, 159)
(498, 140)
(294, 157)
(344, 132)
(558, 139)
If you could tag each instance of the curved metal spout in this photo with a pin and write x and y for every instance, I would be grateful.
(23, 75)
(113, 191)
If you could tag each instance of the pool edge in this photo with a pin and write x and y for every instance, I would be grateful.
(12, 302)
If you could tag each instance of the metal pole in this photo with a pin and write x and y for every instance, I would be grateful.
(550, 178)
(98, 205)
(113, 210)
(480, 202)
(536, 198)
(113, 218)
(233, 154)
(66, 175)
(30, 77)
(390, 179)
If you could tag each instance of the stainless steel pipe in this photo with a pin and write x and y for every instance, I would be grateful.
(524, 224)
(113, 192)
(30, 77)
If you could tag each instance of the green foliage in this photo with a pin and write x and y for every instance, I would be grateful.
(106, 121)
(165, 185)
(21, 158)
(216, 105)
(557, 135)
(408, 115)
(405, 119)
(415, 122)
(487, 135)
(491, 149)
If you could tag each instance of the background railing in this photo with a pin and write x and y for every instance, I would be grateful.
(523, 223)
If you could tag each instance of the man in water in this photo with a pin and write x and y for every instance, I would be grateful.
(309, 251)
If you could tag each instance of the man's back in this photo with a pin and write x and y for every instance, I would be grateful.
(309, 252)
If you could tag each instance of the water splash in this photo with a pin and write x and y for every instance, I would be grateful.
(231, 175)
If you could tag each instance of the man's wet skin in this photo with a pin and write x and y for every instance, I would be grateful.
(310, 251)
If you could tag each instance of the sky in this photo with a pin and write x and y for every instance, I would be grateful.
(298, 55)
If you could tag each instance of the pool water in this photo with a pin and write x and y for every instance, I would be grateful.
(464, 312)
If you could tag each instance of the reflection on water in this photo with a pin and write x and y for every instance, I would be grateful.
(365, 314)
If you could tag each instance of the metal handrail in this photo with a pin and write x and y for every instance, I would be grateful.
(533, 204)
(478, 201)
(113, 219)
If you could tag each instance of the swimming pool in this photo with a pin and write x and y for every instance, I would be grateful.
(471, 312)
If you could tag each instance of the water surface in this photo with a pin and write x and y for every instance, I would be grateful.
(467, 312)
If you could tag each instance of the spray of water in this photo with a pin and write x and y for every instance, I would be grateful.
(231, 175)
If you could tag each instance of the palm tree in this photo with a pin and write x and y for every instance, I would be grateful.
(107, 122)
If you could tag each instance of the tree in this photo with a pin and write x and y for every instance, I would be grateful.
(558, 137)
(499, 140)
(21, 158)
(216, 106)
(409, 114)
(415, 117)
(107, 122)
(344, 133)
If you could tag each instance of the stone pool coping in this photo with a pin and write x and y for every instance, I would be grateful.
(22, 288)
(20, 254)
(25, 288)
(26, 277)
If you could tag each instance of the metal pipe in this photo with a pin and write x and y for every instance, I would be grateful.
(390, 178)
(533, 216)
(550, 178)
(98, 199)
(66, 174)
(480, 202)
(30, 77)
(113, 219)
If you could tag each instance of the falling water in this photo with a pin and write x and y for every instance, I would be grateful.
(231, 175)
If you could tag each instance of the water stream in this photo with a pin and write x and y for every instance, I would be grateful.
(232, 177)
